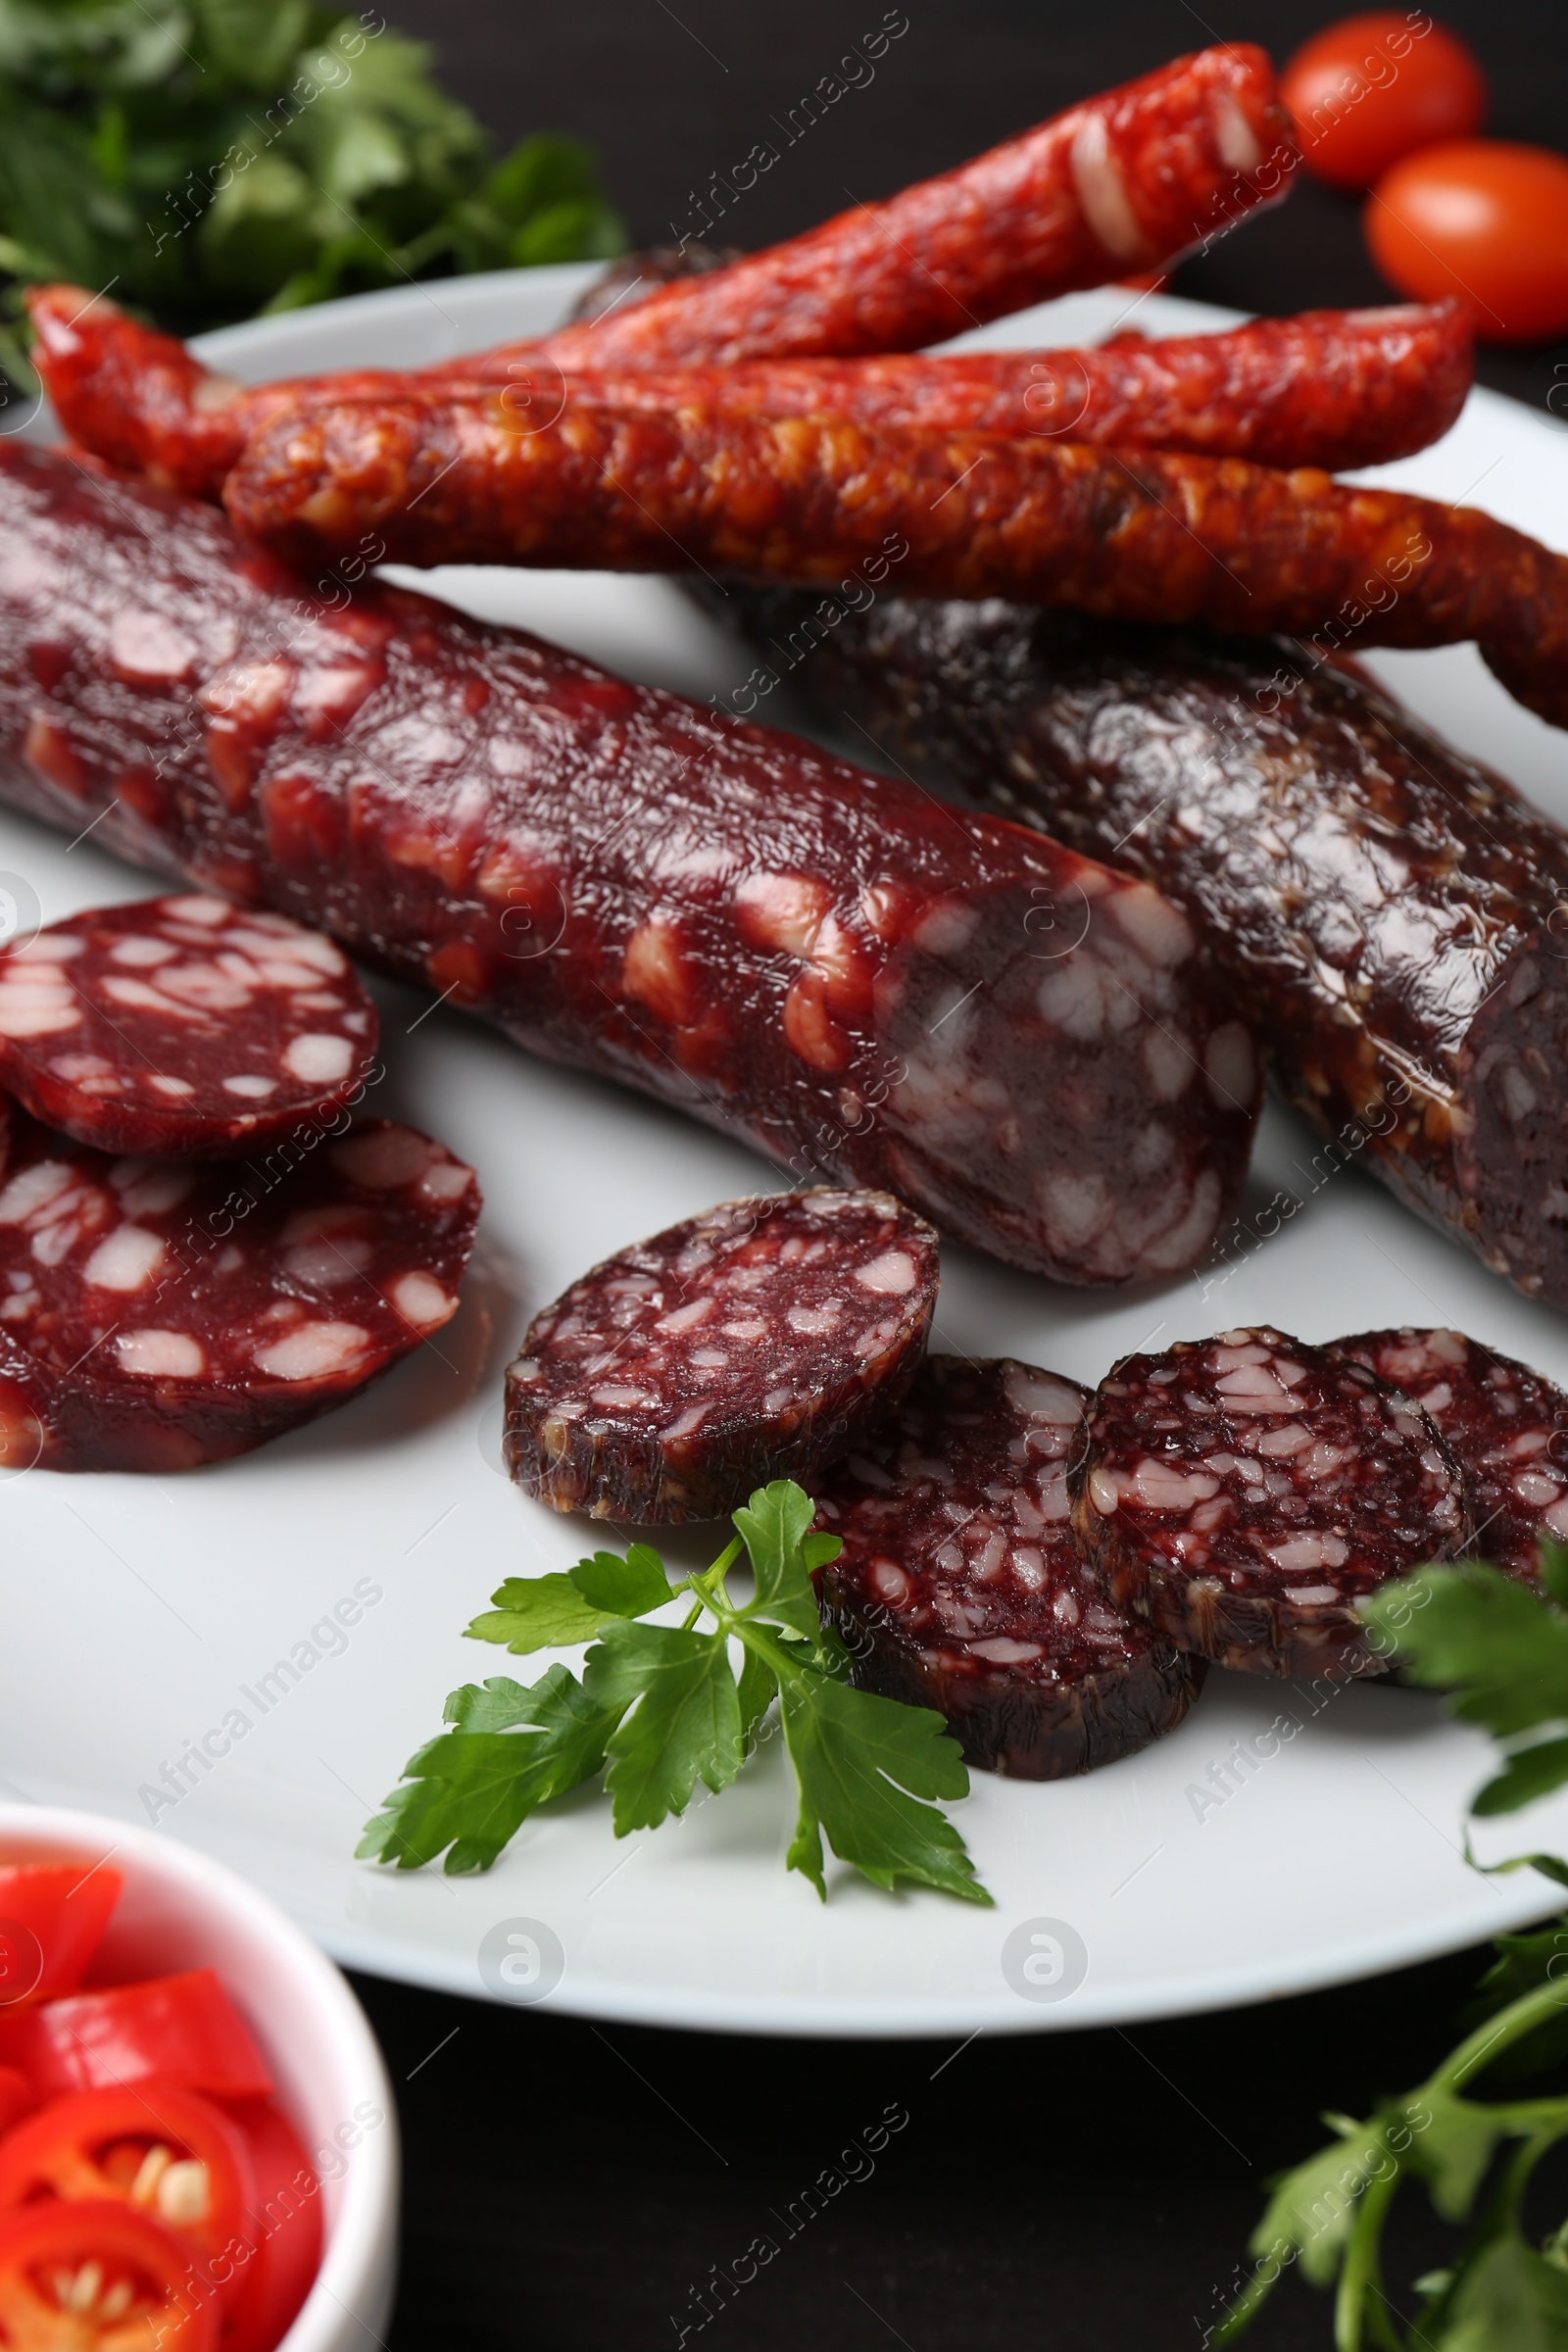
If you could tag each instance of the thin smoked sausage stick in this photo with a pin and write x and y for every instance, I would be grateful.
(1330, 389)
(827, 965)
(1122, 181)
(1145, 537)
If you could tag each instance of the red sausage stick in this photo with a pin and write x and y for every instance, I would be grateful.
(1121, 181)
(825, 963)
(1146, 537)
(1330, 389)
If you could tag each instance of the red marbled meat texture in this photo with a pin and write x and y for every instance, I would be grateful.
(959, 1587)
(754, 1343)
(1148, 535)
(1328, 388)
(1507, 1428)
(1123, 180)
(1242, 1493)
(822, 963)
(157, 1313)
(182, 1025)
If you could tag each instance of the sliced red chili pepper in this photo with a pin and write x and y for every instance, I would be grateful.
(156, 2147)
(184, 2028)
(52, 1917)
(98, 2279)
(286, 2228)
(16, 2097)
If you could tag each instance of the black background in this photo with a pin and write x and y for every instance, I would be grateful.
(567, 2186)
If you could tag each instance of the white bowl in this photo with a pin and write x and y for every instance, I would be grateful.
(179, 1910)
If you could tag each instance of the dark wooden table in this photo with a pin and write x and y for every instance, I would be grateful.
(571, 2187)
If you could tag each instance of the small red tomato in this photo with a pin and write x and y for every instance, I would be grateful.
(1485, 220)
(1376, 87)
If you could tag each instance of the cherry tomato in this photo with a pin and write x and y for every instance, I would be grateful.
(1376, 87)
(98, 2279)
(287, 2232)
(184, 2028)
(1483, 219)
(158, 2148)
(52, 1919)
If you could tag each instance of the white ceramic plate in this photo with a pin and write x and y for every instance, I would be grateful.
(139, 1614)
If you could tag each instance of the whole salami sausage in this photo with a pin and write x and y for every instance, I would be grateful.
(1330, 389)
(181, 1025)
(1507, 1427)
(1240, 1495)
(1390, 912)
(830, 965)
(757, 1342)
(159, 1313)
(1146, 536)
(958, 1585)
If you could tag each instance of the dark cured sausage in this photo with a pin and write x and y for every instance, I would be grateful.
(181, 1025)
(1145, 537)
(1330, 389)
(1506, 1426)
(1240, 1495)
(158, 1314)
(958, 1586)
(757, 1342)
(1390, 912)
(1024, 1045)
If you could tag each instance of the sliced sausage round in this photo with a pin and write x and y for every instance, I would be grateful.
(1242, 1493)
(1506, 1426)
(182, 1025)
(155, 1313)
(755, 1343)
(959, 1588)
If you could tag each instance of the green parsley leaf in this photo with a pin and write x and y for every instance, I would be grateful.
(861, 1763)
(1509, 2299)
(685, 1723)
(538, 1612)
(773, 1525)
(623, 1588)
(557, 1612)
(1500, 1649)
(471, 1790)
(208, 157)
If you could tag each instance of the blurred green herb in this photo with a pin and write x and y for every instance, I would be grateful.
(1500, 1651)
(206, 158)
(660, 1707)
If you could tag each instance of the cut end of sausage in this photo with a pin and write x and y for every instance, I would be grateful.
(755, 1343)
(959, 1587)
(1240, 1495)
(1074, 1095)
(1512, 1115)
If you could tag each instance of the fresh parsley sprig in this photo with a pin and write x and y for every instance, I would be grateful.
(1500, 1651)
(660, 1707)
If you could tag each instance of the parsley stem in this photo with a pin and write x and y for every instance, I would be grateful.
(1489, 2039)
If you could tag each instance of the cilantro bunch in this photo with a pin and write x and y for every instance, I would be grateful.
(209, 158)
(1500, 1649)
(660, 1707)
